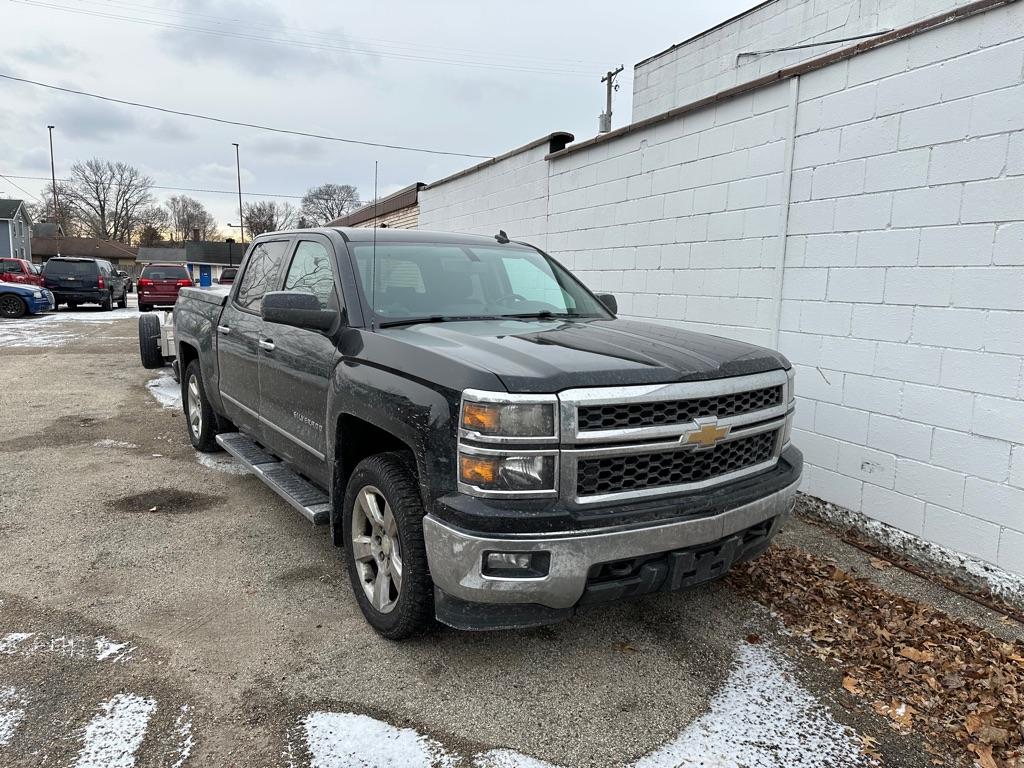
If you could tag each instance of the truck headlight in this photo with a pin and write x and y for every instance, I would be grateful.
(507, 473)
(501, 417)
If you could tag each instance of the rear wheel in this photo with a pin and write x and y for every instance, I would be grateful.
(145, 307)
(123, 301)
(108, 302)
(199, 415)
(12, 306)
(387, 559)
(149, 342)
(72, 305)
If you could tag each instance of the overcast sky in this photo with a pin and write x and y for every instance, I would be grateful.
(370, 71)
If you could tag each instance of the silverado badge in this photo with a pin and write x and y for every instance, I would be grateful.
(706, 435)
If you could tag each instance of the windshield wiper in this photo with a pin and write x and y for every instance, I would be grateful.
(542, 315)
(433, 319)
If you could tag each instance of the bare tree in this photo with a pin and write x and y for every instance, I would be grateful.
(64, 214)
(154, 225)
(327, 202)
(186, 214)
(267, 216)
(107, 198)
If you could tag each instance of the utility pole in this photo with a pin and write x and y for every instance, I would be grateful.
(238, 170)
(604, 123)
(53, 177)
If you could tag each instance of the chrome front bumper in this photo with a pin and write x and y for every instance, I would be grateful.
(456, 557)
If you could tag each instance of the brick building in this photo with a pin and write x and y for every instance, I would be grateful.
(859, 204)
(399, 210)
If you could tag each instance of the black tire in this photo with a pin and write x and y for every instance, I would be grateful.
(108, 302)
(412, 612)
(12, 306)
(145, 307)
(149, 342)
(123, 301)
(72, 305)
(203, 438)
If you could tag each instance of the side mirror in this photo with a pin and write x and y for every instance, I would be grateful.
(122, 273)
(610, 302)
(301, 310)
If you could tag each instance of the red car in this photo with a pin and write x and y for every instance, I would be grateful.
(159, 285)
(19, 271)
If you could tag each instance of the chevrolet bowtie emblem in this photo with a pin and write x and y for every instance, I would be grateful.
(707, 434)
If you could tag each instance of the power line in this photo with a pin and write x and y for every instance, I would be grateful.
(225, 32)
(18, 186)
(174, 189)
(224, 121)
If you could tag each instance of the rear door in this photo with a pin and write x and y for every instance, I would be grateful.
(238, 334)
(164, 282)
(71, 275)
(296, 365)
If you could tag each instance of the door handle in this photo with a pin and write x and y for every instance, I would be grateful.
(267, 344)
(223, 329)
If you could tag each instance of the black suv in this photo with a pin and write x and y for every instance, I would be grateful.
(75, 281)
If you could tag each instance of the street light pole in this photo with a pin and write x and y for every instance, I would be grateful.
(238, 170)
(53, 175)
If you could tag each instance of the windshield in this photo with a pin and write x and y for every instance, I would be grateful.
(444, 281)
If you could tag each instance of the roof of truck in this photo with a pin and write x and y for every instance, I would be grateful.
(389, 234)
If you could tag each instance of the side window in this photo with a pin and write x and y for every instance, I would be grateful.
(260, 273)
(534, 284)
(311, 272)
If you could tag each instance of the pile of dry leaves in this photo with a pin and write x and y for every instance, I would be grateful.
(948, 679)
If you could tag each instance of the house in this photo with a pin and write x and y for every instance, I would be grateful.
(399, 209)
(843, 181)
(120, 255)
(204, 259)
(15, 230)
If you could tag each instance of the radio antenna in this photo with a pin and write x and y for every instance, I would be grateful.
(373, 257)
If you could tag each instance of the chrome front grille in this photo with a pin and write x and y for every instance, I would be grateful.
(620, 443)
(601, 475)
(655, 414)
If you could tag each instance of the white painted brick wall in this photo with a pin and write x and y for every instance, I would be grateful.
(709, 63)
(903, 293)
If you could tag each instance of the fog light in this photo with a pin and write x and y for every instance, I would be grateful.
(516, 565)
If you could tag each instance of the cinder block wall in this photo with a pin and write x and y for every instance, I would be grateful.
(711, 63)
(903, 245)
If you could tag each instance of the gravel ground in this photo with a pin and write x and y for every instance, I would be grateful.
(157, 609)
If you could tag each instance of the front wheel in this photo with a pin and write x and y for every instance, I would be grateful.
(12, 306)
(387, 560)
(200, 417)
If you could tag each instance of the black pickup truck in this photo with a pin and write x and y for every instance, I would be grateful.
(490, 444)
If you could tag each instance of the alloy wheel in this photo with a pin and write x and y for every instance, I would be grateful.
(195, 407)
(376, 549)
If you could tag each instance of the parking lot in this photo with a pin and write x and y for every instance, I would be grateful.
(160, 608)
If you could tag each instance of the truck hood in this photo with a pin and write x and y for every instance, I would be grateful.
(551, 356)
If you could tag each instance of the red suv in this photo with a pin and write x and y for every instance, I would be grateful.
(19, 271)
(159, 285)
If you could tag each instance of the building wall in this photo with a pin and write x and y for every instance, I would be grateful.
(404, 218)
(16, 237)
(509, 195)
(5, 238)
(892, 186)
(709, 64)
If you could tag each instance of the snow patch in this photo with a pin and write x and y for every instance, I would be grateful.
(166, 391)
(222, 463)
(9, 643)
(107, 443)
(183, 729)
(12, 712)
(113, 736)
(761, 718)
(108, 649)
(345, 740)
(34, 332)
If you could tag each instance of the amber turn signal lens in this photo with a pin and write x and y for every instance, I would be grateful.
(481, 417)
(478, 470)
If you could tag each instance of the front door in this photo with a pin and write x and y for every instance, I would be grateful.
(296, 366)
(238, 335)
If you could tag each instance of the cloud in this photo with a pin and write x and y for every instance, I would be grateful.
(87, 119)
(51, 55)
(254, 37)
(295, 149)
(172, 130)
